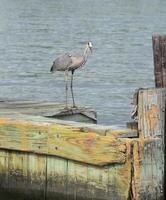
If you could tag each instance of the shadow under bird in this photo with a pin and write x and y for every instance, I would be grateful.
(69, 63)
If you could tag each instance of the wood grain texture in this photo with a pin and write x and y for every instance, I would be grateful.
(152, 170)
(31, 176)
(49, 109)
(159, 54)
(41, 159)
(56, 180)
(4, 172)
(37, 175)
(151, 109)
(22, 175)
(119, 180)
(35, 112)
(77, 180)
(148, 169)
(149, 172)
(63, 141)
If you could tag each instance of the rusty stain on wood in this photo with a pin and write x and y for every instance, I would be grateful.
(148, 163)
(150, 169)
(151, 110)
(62, 141)
(151, 117)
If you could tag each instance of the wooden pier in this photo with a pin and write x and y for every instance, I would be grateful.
(45, 158)
(48, 109)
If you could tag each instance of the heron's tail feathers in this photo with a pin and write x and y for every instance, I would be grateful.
(52, 68)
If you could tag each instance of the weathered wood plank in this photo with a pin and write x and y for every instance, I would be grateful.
(76, 181)
(115, 180)
(98, 183)
(151, 109)
(22, 175)
(151, 123)
(157, 62)
(27, 174)
(48, 177)
(63, 141)
(134, 167)
(4, 166)
(14, 114)
(37, 176)
(120, 177)
(152, 170)
(17, 168)
(148, 165)
(49, 109)
(123, 133)
(56, 178)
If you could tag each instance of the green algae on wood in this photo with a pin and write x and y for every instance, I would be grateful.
(63, 141)
(49, 177)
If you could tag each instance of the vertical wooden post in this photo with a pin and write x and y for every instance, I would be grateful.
(151, 125)
(151, 110)
(159, 53)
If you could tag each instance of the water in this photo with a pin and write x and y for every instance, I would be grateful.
(34, 33)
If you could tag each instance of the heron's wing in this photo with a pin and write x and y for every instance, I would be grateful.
(77, 62)
(61, 63)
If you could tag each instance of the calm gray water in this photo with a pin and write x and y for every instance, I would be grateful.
(33, 33)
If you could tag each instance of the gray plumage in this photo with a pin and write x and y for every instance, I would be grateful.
(61, 63)
(71, 62)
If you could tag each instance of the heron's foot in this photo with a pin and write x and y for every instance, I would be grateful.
(74, 106)
(66, 108)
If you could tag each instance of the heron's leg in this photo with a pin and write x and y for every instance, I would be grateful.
(71, 86)
(66, 90)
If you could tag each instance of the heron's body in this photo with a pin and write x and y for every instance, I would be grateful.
(77, 62)
(67, 62)
(71, 62)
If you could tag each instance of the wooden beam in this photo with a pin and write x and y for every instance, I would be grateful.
(159, 54)
(63, 141)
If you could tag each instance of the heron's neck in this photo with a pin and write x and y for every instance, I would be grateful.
(86, 52)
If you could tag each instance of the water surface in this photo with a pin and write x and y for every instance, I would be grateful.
(34, 33)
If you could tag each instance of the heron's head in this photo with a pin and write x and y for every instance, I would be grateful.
(90, 46)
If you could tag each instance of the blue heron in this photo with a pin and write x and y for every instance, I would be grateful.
(71, 62)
